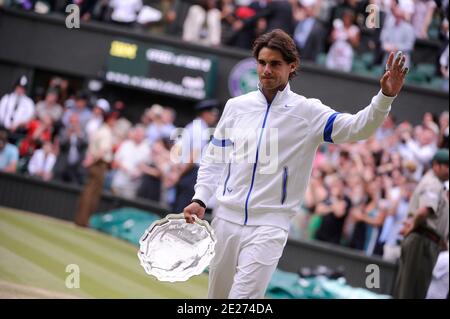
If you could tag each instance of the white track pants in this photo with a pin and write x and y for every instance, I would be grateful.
(245, 259)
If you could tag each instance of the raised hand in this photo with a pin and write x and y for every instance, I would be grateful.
(394, 77)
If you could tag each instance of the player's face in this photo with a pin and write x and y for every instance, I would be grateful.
(272, 70)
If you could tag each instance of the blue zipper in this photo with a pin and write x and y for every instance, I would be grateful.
(226, 180)
(284, 189)
(254, 165)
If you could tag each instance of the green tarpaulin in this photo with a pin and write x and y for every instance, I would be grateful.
(286, 285)
(126, 223)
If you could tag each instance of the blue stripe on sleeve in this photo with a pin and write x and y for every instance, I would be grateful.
(221, 143)
(329, 128)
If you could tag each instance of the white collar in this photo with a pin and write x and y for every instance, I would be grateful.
(279, 96)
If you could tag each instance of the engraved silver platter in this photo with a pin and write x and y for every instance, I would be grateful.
(173, 250)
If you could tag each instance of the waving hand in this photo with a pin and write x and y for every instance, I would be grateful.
(394, 77)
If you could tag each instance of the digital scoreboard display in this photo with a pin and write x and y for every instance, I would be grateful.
(162, 69)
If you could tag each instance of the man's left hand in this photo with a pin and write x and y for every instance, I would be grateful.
(394, 77)
(407, 228)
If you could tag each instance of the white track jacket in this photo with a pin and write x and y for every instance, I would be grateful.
(259, 161)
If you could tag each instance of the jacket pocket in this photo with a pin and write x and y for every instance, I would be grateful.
(284, 184)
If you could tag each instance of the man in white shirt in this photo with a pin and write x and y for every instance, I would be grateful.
(128, 158)
(202, 24)
(16, 108)
(397, 34)
(125, 11)
(42, 162)
(259, 194)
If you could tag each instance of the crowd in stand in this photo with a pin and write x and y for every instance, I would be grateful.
(49, 138)
(358, 195)
(345, 35)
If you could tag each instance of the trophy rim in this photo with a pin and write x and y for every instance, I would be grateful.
(168, 217)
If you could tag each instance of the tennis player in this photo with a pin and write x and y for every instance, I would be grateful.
(257, 194)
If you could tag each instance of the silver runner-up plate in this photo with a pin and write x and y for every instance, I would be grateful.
(173, 250)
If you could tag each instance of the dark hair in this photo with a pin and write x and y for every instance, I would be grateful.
(281, 41)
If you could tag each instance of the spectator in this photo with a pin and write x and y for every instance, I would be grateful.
(203, 23)
(421, 148)
(308, 33)
(22, 4)
(125, 12)
(127, 160)
(38, 131)
(145, 118)
(334, 210)
(341, 6)
(156, 171)
(16, 110)
(169, 116)
(443, 63)
(422, 17)
(166, 11)
(397, 35)
(161, 125)
(228, 17)
(241, 34)
(98, 158)
(390, 236)
(407, 7)
(344, 37)
(315, 194)
(277, 14)
(62, 87)
(50, 106)
(87, 8)
(368, 217)
(95, 122)
(80, 108)
(430, 120)
(386, 129)
(443, 130)
(72, 146)
(42, 162)
(9, 154)
(121, 126)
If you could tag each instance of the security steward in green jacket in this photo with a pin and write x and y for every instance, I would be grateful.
(425, 231)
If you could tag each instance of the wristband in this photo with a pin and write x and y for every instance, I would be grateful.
(198, 201)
